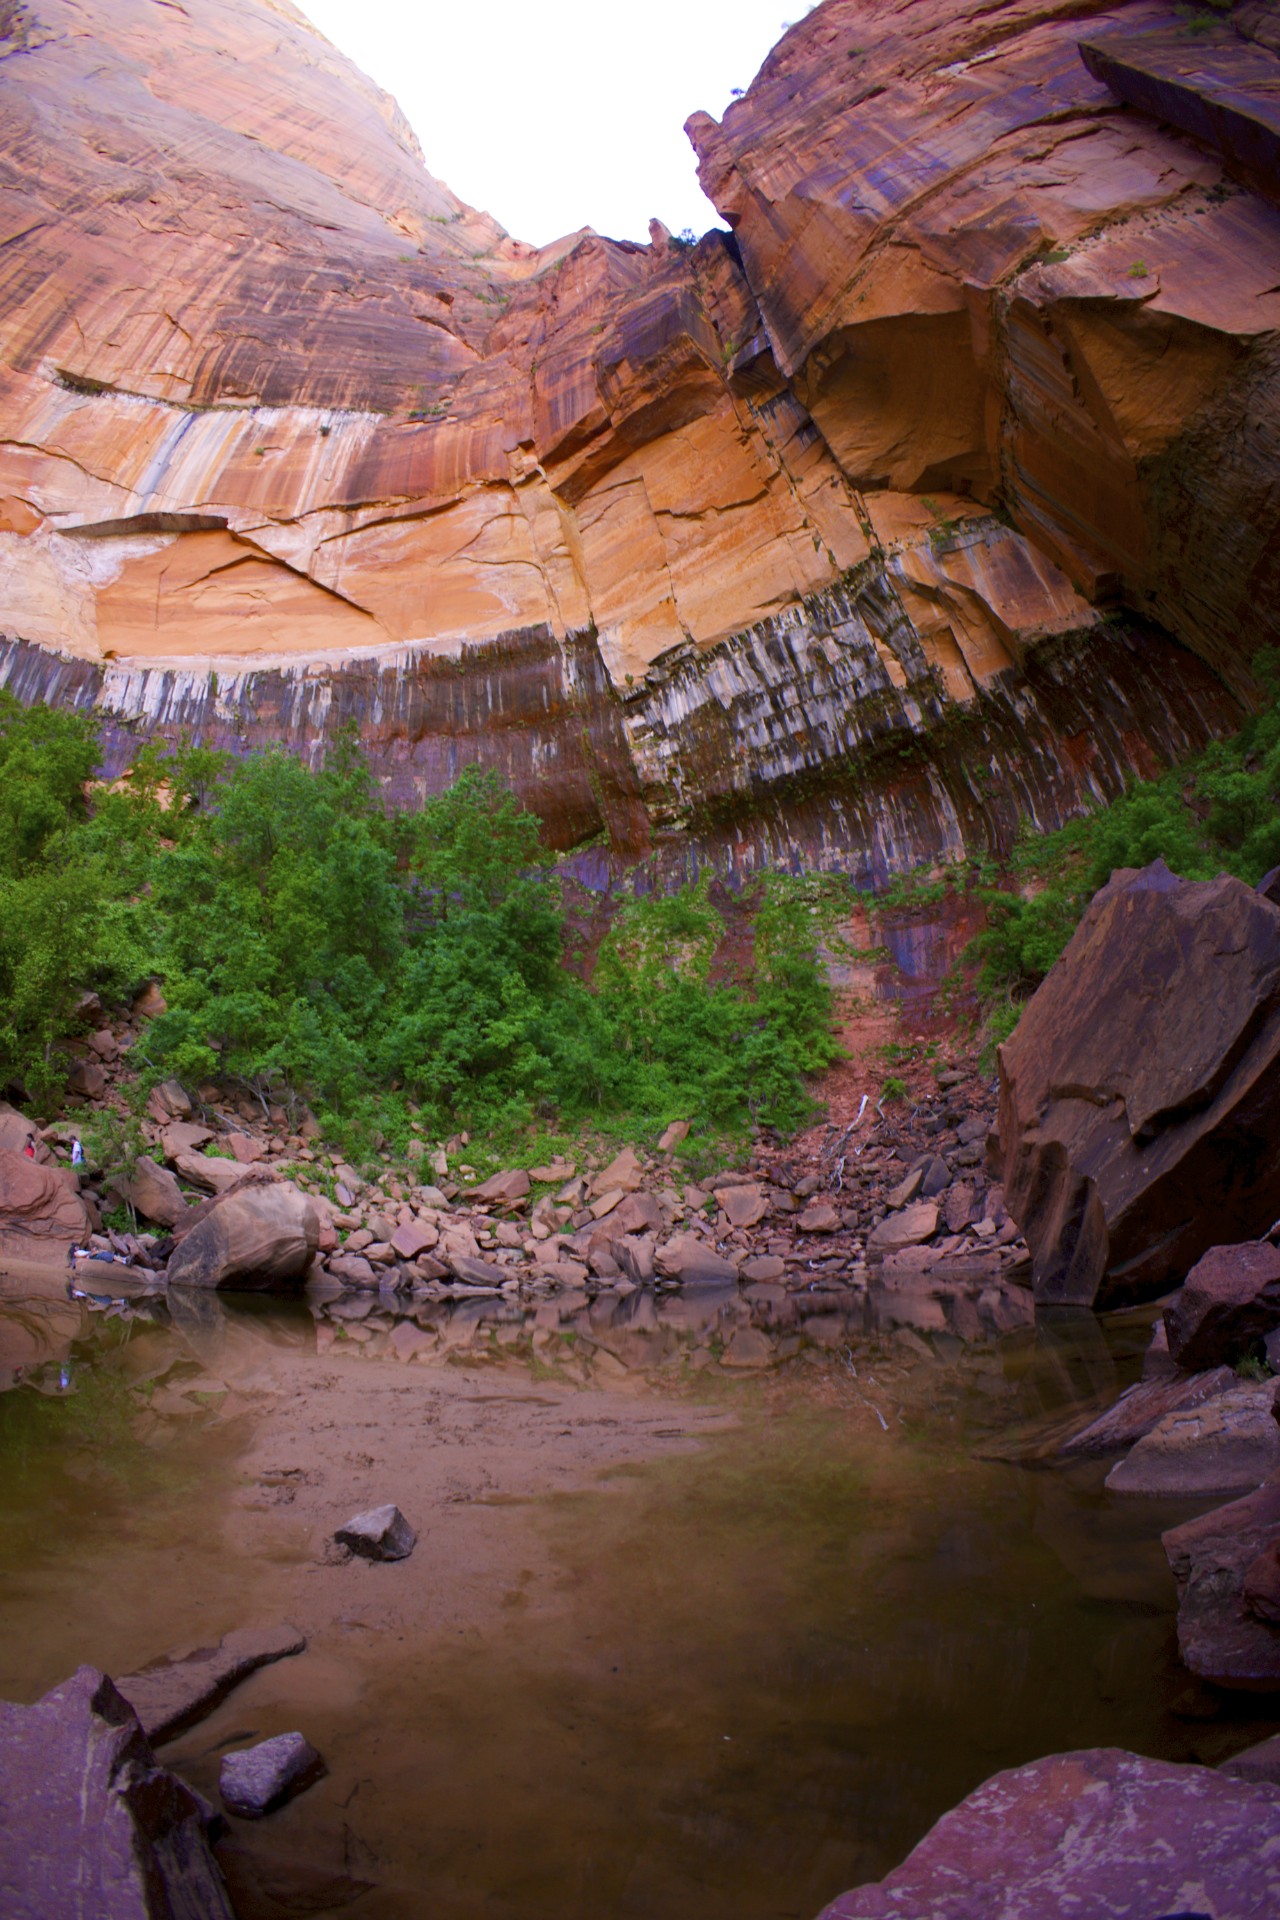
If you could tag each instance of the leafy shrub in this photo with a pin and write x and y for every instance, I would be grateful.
(1219, 813)
(313, 943)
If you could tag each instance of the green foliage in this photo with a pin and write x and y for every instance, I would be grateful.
(314, 944)
(281, 918)
(713, 1053)
(912, 890)
(66, 919)
(1220, 813)
(791, 987)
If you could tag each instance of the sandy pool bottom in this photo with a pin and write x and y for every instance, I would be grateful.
(712, 1647)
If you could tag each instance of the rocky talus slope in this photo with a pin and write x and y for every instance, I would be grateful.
(794, 541)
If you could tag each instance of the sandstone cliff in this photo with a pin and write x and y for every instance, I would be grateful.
(793, 541)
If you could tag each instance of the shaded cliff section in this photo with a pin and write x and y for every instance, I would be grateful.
(938, 494)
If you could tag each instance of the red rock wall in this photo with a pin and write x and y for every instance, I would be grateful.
(696, 544)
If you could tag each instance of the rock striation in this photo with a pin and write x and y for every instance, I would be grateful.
(790, 542)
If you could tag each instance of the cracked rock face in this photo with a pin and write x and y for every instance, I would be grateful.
(686, 542)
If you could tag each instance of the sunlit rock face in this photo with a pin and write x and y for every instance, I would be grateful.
(787, 546)
(979, 269)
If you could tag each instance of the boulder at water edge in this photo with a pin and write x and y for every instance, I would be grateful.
(1139, 1118)
(173, 1692)
(91, 1825)
(263, 1235)
(1230, 1298)
(1217, 1560)
(1093, 1834)
(41, 1213)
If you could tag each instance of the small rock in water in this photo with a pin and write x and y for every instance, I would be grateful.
(172, 1693)
(259, 1778)
(381, 1534)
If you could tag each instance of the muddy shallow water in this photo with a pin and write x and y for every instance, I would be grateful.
(677, 1638)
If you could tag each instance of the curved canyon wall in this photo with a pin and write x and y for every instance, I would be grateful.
(938, 493)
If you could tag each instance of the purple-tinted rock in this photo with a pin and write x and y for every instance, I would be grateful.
(1228, 1444)
(1260, 1762)
(1142, 1407)
(1223, 92)
(256, 1779)
(1094, 1834)
(1218, 1637)
(1230, 1298)
(173, 1693)
(93, 1827)
(382, 1533)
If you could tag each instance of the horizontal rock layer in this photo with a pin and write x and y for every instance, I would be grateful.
(679, 538)
(791, 742)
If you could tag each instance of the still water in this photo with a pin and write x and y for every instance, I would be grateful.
(760, 1666)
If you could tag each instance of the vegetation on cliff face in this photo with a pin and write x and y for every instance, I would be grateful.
(310, 941)
(1219, 812)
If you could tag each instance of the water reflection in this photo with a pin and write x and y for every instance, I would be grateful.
(759, 1670)
(739, 1329)
(190, 1345)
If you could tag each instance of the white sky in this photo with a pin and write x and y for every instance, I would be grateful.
(558, 114)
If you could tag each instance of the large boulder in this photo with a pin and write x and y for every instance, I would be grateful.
(1221, 1636)
(1092, 1834)
(1230, 1298)
(41, 1213)
(1228, 1444)
(153, 1192)
(263, 1235)
(688, 1258)
(92, 1825)
(209, 1170)
(16, 1130)
(1139, 1118)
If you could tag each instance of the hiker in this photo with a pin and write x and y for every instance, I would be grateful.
(29, 1151)
(77, 1154)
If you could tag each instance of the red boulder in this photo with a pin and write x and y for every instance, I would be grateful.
(1139, 1118)
(1230, 1298)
